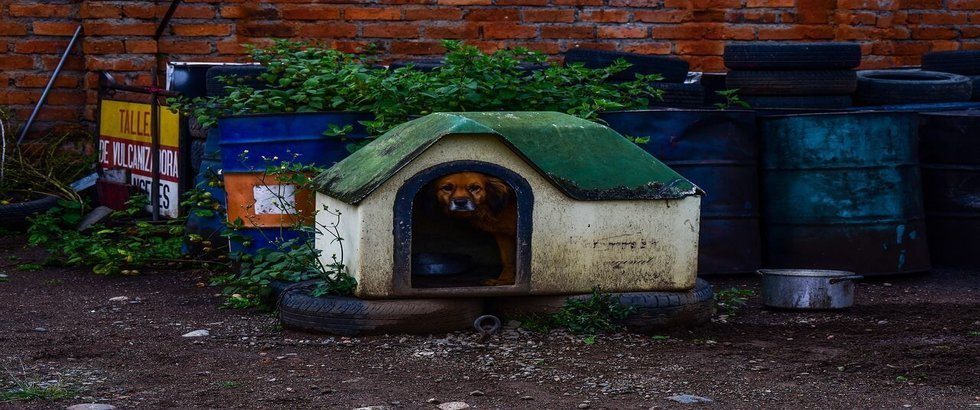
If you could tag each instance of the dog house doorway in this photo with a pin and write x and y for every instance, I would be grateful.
(457, 223)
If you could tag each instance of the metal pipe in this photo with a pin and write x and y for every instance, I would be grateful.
(47, 88)
(166, 19)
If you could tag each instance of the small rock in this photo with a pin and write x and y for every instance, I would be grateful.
(91, 406)
(527, 398)
(477, 393)
(119, 299)
(40, 329)
(432, 401)
(374, 408)
(454, 405)
(689, 399)
(197, 333)
(583, 405)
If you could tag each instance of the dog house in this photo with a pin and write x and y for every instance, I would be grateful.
(592, 209)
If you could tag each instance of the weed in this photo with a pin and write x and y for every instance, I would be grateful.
(54, 282)
(35, 392)
(3, 277)
(29, 267)
(229, 384)
(600, 313)
(731, 300)
(660, 338)
(974, 333)
(731, 99)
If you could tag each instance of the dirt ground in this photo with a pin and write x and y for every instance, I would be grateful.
(908, 342)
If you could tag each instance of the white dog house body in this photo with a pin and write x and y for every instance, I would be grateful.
(593, 209)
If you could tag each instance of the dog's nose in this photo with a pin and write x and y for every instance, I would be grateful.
(460, 202)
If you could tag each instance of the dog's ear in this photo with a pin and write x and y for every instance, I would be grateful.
(498, 194)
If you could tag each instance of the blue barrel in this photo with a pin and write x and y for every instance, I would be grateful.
(843, 192)
(718, 152)
(250, 144)
(208, 178)
(950, 155)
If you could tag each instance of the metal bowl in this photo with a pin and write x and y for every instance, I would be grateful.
(440, 264)
(807, 288)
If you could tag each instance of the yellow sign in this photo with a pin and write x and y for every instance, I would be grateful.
(125, 141)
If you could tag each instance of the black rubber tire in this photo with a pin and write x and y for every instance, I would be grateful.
(15, 215)
(797, 82)
(247, 74)
(652, 310)
(963, 62)
(809, 102)
(350, 316)
(428, 65)
(792, 56)
(195, 129)
(892, 87)
(976, 87)
(673, 69)
(197, 154)
(681, 95)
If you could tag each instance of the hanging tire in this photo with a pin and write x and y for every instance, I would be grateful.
(673, 69)
(15, 215)
(963, 62)
(652, 310)
(892, 87)
(245, 74)
(792, 56)
(798, 82)
(348, 316)
(799, 101)
(681, 95)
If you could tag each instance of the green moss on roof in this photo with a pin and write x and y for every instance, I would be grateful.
(585, 160)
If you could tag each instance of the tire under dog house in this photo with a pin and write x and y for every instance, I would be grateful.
(652, 310)
(348, 316)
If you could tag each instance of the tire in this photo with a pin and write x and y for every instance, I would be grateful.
(800, 82)
(350, 316)
(963, 62)
(652, 310)
(197, 154)
(976, 87)
(892, 87)
(195, 129)
(812, 102)
(428, 65)
(682, 95)
(792, 56)
(247, 75)
(15, 215)
(673, 69)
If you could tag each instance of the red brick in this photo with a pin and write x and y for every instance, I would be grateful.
(495, 14)
(310, 12)
(635, 3)
(65, 97)
(933, 33)
(549, 15)
(549, 47)
(332, 30)
(417, 47)
(578, 2)
(50, 28)
(251, 12)
(94, 46)
(141, 46)
(16, 62)
(390, 30)
(186, 11)
(681, 31)
(41, 80)
(622, 32)
(919, 4)
(770, 3)
(141, 11)
(40, 46)
(111, 29)
(508, 30)
(662, 16)
(433, 13)
(522, 3)
(12, 29)
(210, 30)
(41, 10)
(465, 2)
(452, 31)
(99, 11)
(374, 13)
(117, 64)
(648, 48)
(564, 31)
(938, 18)
(605, 16)
(185, 47)
(963, 4)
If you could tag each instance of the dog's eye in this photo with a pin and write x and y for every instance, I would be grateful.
(475, 188)
(447, 188)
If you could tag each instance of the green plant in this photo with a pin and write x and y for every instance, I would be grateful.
(731, 99)
(729, 301)
(597, 314)
(304, 77)
(36, 392)
(121, 245)
(29, 267)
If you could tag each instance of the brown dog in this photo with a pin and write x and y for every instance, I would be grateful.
(485, 203)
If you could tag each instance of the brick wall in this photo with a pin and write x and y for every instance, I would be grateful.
(118, 33)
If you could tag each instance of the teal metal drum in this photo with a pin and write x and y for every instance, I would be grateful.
(842, 191)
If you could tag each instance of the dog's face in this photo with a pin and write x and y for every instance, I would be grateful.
(465, 192)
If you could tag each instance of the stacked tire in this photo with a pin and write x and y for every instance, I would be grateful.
(676, 92)
(793, 75)
(962, 62)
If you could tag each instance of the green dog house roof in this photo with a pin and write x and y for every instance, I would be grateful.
(585, 160)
